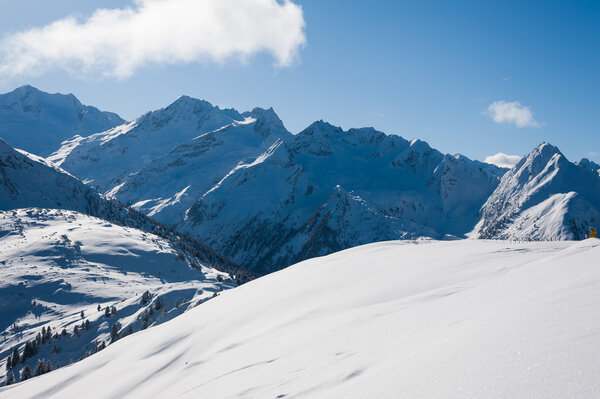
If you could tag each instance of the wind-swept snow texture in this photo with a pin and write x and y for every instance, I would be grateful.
(56, 264)
(38, 122)
(460, 319)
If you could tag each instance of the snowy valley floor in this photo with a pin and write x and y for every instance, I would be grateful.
(419, 319)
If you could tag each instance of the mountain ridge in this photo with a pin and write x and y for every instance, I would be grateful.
(263, 196)
(38, 122)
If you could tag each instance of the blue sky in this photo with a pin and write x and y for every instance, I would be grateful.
(425, 69)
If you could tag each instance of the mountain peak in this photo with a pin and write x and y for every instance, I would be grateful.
(186, 102)
(589, 165)
(5, 147)
(544, 146)
(268, 115)
(26, 89)
(538, 158)
(321, 127)
(39, 122)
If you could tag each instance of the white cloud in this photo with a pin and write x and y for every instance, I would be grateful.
(503, 160)
(117, 42)
(512, 112)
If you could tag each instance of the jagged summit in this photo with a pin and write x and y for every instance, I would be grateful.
(320, 127)
(544, 196)
(589, 165)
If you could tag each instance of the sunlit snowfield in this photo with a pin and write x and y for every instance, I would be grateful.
(394, 319)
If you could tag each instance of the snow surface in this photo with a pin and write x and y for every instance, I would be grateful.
(414, 319)
(56, 263)
(38, 122)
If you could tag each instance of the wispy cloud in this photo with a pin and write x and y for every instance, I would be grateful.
(117, 42)
(503, 160)
(512, 112)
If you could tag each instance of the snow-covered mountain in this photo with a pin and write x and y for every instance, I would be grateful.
(28, 181)
(61, 271)
(544, 197)
(106, 159)
(38, 122)
(458, 319)
(266, 198)
(590, 165)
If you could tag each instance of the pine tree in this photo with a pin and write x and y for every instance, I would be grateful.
(16, 358)
(8, 363)
(10, 378)
(57, 365)
(28, 350)
(39, 368)
(76, 331)
(129, 330)
(158, 303)
(145, 297)
(107, 312)
(113, 310)
(64, 332)
(82, 314)
(87, 324)
(25, 373)
(48, 367)
(114, 333)
(99, 308)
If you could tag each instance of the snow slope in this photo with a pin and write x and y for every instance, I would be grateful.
(422, 319)
(38, 122)
(56, 264)
(544, 197)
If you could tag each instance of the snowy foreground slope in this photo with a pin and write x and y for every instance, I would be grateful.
(418, 319)
(54, 264)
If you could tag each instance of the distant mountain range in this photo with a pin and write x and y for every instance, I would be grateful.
(266, 198)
